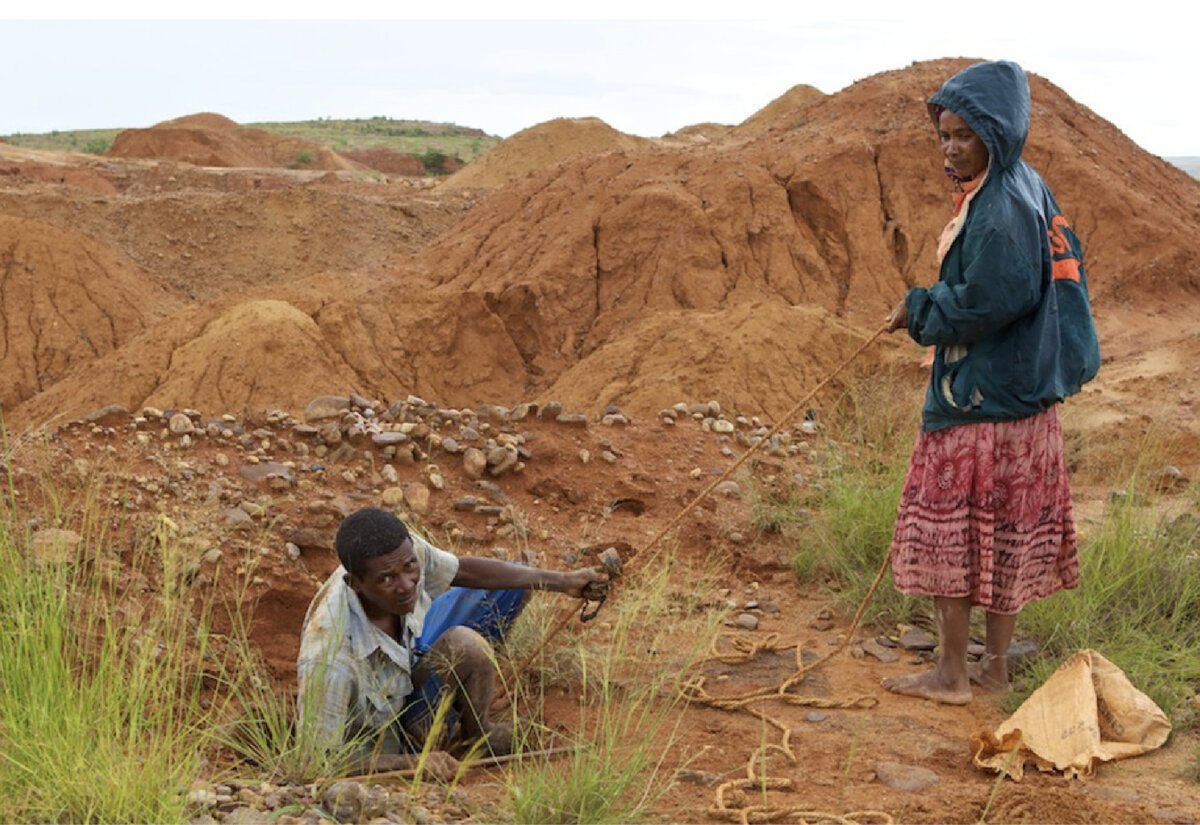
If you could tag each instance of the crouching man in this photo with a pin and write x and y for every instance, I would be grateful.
(396, 625)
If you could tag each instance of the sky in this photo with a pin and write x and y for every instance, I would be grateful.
(645, 68)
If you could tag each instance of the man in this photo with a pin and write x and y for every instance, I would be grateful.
(386, 634)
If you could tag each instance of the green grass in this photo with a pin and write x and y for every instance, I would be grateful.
(103, 715)
(1138, 604)
(92, 141)
(629, 711)
(414, 137)
(851, 504)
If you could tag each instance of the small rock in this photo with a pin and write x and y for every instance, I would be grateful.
(326, 406)
(746, 621)
(392, 497)
(728, 488)
(180, 424)
(417, 498)
(474, 462)
(905, 777)
(54, 547)
(202, 798)
(816, 717)
(914, 638)
(699, 777)
(292, 550)
(883, 654)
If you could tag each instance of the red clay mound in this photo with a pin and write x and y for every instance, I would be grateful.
(387, 161)
(214, 140)
(540, 146)
(838, 209)
(266, 353)
(79, 177)
(738, 272)
(64, 300)
(210, 121)
(787, 107)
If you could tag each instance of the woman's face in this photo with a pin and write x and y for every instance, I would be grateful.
(963, 149)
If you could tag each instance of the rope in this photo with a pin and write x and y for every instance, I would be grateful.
(731, 799)
(691, 505)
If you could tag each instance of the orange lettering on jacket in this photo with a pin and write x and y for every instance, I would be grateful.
(1066, 264)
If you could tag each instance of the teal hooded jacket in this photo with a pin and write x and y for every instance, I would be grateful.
(1010, 315)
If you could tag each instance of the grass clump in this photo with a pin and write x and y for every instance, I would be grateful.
(103, 714)
(853, 504)
(1138, 604)
(629, 711)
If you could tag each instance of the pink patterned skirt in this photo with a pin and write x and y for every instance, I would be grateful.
(986, 513)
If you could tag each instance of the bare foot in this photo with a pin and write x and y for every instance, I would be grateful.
(928, 685)
(990, 673)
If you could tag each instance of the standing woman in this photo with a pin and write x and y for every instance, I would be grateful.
(985, 517)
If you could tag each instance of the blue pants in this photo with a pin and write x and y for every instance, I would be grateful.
(488, 612)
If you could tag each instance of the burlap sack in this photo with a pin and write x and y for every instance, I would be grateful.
(1085, 714)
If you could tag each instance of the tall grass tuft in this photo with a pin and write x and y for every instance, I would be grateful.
(1138, 604)
(629, 711)
(853, 503)
(102, 716)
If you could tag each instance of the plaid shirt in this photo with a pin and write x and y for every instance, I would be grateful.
(354, 678)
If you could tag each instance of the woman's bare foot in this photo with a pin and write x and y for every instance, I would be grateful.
(990, 673)
(928, 685)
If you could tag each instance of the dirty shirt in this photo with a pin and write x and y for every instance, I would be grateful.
(354, 678)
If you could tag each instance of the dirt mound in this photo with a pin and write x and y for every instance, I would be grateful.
(214, 140)
(66, 174)
(201, 120)
(839, 210)
(540, 146)
(790, 104)
(641, 278)
(65, 300)
(696, 133)
(387, 161)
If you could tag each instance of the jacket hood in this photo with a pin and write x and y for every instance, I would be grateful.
(993, 99)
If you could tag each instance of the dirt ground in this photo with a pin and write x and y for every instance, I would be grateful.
(738, 264)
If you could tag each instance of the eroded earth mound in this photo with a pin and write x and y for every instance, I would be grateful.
(600, 268)
(556, 350)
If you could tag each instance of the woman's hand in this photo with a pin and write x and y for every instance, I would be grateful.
(899, 317)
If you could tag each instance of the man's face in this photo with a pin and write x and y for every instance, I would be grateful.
(964, 150)
(390, 583)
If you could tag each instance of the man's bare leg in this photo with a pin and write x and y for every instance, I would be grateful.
(948, 681)
(464, 661)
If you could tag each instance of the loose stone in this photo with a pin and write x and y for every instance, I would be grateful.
(326, 406)
(746, 621)
(905, 777)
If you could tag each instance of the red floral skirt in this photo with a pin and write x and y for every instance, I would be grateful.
(986, 513)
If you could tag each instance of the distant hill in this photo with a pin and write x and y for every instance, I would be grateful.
(1190, 164)
(416, 137)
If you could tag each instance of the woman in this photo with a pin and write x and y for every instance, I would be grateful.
(985, 517)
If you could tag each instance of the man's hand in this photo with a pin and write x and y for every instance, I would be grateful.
(899, 317)
(576, 581)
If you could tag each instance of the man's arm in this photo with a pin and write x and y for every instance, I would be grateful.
(493, 574)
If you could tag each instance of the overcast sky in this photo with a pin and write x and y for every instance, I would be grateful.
(647, 70)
